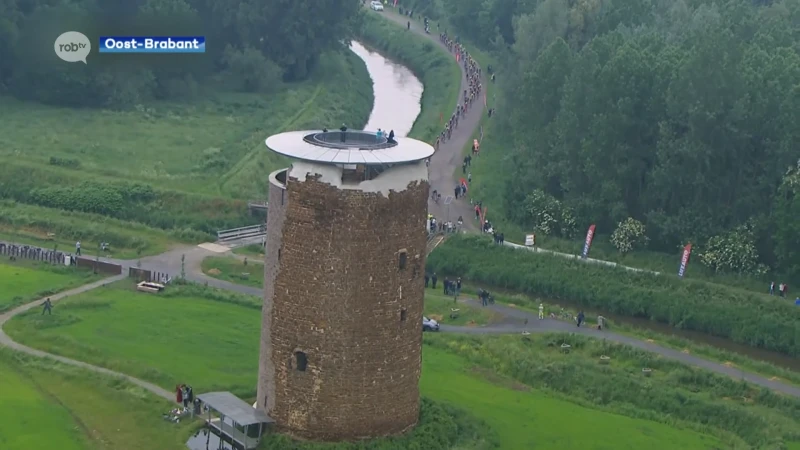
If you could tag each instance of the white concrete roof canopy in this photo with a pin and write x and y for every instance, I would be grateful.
(360, 147)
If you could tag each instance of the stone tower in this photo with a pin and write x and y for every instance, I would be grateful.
(344, 283)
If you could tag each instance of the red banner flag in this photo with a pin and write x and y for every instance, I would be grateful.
(441, 118)
(458, 57)
(588, 243)
(687, 251)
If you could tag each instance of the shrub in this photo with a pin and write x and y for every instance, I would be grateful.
(629, 235)
(548, 215)
(745, 317)
(734, 251)
(440, 427)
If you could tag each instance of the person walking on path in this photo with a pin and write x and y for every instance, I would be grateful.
(541, 311)
(78, 248)
(581, 318)
(48, 307)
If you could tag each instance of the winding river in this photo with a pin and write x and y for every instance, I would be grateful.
(397, 92)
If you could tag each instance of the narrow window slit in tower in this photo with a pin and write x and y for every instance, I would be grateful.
(300, 361)
(403, 259)
(403, 314)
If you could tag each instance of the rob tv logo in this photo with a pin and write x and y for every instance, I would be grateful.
(73, 46)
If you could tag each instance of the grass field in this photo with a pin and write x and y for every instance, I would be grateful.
(210, 339)
(525, 418)
(28, 224)
(253, 251)
(23, 280)
(740, 415)
(184, 145)
(439, 307)
(47, 405)
(234, 269)
(189, 335)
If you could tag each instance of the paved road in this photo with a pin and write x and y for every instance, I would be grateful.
(450, 154)
(442, 167)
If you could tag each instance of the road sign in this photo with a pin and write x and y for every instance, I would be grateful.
(448, 199)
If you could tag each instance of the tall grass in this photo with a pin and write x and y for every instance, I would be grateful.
(675, 394)
(744, 317)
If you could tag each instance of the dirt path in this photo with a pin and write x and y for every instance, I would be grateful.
(449, 157)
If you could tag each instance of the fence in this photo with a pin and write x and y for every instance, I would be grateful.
(241, 233)
(30, 252)
(148, 275)
(99, 266)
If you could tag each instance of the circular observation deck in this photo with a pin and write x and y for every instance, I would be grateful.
(349, 147)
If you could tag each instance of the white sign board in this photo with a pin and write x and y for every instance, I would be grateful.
(67, 260)
(530, 240)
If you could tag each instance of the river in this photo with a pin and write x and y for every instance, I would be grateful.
(397, 92)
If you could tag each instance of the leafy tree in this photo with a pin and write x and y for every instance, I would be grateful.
(733, 252)
(629, 235)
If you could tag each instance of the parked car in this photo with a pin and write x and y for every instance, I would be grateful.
(429, 324)
(376, 5)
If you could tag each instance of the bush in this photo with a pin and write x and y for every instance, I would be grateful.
(733, 252)
(548, 215)
(744, 317)
(440, 427)
(629, 235)
(676, 394)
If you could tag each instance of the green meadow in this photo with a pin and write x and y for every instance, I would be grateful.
(23, 280)
(235, 270)
(528, 392)
(47, 405)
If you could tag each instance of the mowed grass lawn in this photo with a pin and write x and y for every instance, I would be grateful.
(24, 280)
(190, 335)
(530, 419)
(49, 406)
(235, 270)
(440, 307)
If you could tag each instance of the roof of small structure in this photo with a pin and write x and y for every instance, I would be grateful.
(234, 408)
(358, 147)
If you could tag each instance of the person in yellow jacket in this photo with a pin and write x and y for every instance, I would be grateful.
(541, 311)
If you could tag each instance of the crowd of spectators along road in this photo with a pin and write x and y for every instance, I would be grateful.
(470, 95)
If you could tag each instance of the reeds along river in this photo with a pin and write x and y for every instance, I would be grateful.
(397, 92)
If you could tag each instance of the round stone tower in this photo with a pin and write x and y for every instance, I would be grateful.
(344, 283)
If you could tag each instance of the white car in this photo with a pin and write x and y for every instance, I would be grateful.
(375, 5)
(429, 324)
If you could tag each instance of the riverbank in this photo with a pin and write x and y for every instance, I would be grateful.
(436, 69)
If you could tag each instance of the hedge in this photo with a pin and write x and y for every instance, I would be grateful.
(745, 317)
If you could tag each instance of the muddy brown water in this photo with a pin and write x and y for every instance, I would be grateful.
(697, 337)
(397, 92)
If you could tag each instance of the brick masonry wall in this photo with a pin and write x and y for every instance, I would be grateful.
(338, 295)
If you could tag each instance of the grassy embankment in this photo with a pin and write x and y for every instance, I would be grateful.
(181, 346)
(24, 280)
(47, 405)
(433, 66)
(188, 167)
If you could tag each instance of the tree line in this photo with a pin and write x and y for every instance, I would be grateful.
(251, 46)
(681, 114)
